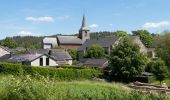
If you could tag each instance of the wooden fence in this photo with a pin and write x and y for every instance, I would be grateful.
(149, 89)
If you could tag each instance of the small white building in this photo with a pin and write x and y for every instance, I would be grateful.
(34, 60)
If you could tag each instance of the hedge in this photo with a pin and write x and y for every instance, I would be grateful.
(9, 68)
(58, 73)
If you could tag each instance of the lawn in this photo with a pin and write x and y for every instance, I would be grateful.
(27, 88)
(167, 81)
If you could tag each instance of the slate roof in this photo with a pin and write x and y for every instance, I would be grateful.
(23, 57)
(104, 42)
(69, 40)
(7, 49)
(4, 58)
(56, 54)
(96, 62)
(50, 40)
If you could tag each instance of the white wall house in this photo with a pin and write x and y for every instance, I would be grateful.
(43, 61)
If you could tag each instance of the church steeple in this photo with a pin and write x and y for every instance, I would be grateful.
(83, 22)
(84, 32)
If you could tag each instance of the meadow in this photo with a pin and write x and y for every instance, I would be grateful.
(28, 88)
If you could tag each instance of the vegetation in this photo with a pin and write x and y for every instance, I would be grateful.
(126, 61)
(73, 53)
(159, 69)
(120, 33)
(95, 51)
(27, 88)
(162, 43)
(23, 41)
(145, 36)
(9, 42)
(56, 73)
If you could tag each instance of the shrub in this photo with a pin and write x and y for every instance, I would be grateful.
(9, 68)
(66, 73)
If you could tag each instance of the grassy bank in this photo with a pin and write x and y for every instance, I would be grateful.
(25, 88)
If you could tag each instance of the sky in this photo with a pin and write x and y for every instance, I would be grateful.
(48, 17)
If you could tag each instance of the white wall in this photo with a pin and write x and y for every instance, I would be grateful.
(37, 62)
(70, 62)
(47, 46)
(3, 52)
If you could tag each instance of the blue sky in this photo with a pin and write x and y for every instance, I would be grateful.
(47, 17)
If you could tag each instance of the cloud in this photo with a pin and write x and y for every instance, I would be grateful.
(160, 24)
(111, 24)
(26, 33)
(94, 26)
(62, 17)
(40, 19)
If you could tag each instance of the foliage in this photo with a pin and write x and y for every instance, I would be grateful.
(9, 42)
(120, 33)
(27, 88)
(159, 69)
(73, 53)
(145, 36)
(126, 61)
(163, 47)
(8, 68)
(27, 41)
(95, 51)
(71, 73)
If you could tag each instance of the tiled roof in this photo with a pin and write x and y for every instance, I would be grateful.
(96, 62)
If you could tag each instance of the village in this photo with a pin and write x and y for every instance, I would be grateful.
(50, 56)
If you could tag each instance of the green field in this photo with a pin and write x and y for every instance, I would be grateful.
(167, 81)
(26, 88)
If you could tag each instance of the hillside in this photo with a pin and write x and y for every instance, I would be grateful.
(35, 42)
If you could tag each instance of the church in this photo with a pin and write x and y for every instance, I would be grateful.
(68, 41)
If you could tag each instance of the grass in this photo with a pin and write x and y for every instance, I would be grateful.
(27, 88)
(167, 81)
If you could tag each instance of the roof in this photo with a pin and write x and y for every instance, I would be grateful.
(24, 57)
(96, 62)
(4, 57)
(104, 42)
(6, 49)
(56, 54)
(50, 40)
(69, 40)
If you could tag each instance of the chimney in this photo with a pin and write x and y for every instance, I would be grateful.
(97, 36)
(50, 52)
(12, 54)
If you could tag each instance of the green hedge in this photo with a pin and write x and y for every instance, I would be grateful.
(70, 73)
(9, 68)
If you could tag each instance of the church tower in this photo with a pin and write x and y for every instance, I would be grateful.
(84, 32)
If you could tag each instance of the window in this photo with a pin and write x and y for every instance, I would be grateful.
(47, 61)
(41, 61)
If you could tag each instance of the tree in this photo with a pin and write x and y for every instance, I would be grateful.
(73, 53)
(120, 33)
(9, 42)
(95, 51)
(159, 70)
(145, 36)
(126, 61)
(162, 44)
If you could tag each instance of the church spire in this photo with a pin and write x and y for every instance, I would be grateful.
(83, 22)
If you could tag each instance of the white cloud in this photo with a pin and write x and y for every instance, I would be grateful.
(62, 17)
(150, 25)
(26, 33)
(111, 24)
(40, 19)
(94, 26)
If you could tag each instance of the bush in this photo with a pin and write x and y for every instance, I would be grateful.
(9, 68)
(66, 73)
